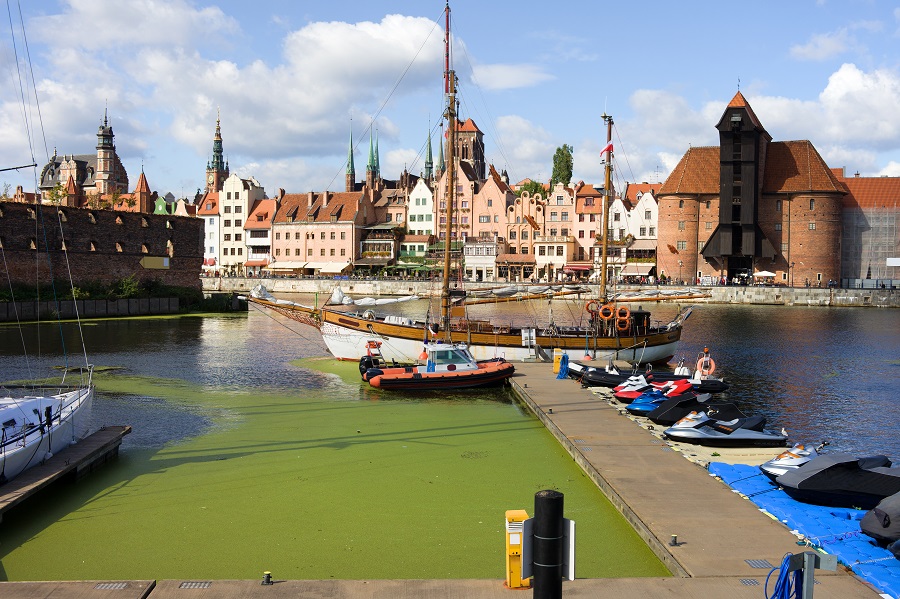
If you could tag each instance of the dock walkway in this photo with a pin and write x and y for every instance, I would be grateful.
(659, 491)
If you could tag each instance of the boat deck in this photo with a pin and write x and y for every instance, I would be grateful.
(76, 460)
(721, 536)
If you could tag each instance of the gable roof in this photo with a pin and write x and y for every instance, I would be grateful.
(212, 200)
(696, 173)
(343, 206)
(633, 189)
(266, 209)
(869, 193)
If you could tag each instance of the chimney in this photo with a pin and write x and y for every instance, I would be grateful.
(326, 195)
(310, 199)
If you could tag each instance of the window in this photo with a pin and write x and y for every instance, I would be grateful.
(277, 251)
(784, 248)
(681, 203)
(565, 216)
(524, 234)
(322, 252)
(580, 234)
(212, 250)
(552, 232)
(554, 216)
(652, 231)
(278, 236)
(240, 251)
(209, 207)
(343, 252)
(777, 226)
(708, 225)
(228, 196)
(616, 217)
(560, 250)
(812, 226)
(323, 235)
(490, 202)
(681, 225)
(309, 252)
(237, 209)
(484, 219)
(297, 252)
(700, 247)
(647, 215)
(512, 234)
(297, 235)
(777, 205)
(681, 245)
(227, 223)
(343, 235)
(226, 237)
(333, 235)
(524, 249)
(559, 200)
(564, 232)
(227, 209)
(332, 251)
(237, 236)
(237, 196)
(237, 223)
(812, 204)
(542, 251)
(643, 231)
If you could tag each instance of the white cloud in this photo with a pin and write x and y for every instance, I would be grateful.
(822, 46)
(529, 148)
(509, 76)
(892, 169)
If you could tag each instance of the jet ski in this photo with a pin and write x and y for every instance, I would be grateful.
(882, 522)
(632, 390)
(842, 480)
(675, 408)
(650, 400)
(790, 459)
(610, 376)
(700, 429)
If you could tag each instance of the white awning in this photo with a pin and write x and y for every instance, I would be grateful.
(334, 268)
(285, 266)
(637, 269)
(316, 265)
(643, 244)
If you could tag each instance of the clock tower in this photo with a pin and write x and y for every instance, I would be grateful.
(217, 168)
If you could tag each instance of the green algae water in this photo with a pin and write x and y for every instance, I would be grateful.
(251, 453)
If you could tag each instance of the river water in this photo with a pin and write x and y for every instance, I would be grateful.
(239, 421)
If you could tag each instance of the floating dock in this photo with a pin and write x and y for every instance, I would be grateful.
(725, 546)
(75, 461)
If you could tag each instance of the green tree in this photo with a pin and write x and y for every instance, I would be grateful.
(562, 165)
(532, 187)
(56, 195)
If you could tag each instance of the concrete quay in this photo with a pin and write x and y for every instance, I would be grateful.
(659, 491)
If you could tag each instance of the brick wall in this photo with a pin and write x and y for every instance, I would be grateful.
(102, 245)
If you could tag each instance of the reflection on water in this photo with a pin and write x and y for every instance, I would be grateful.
(820, 373)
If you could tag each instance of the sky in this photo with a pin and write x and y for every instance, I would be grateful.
(291, 79)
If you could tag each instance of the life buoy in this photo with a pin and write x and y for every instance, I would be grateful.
(606, 312)
(623, 312)
(622, 324)
(706, 365)
(592, 306)
(369, 315)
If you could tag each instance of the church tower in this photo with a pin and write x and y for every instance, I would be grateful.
(106, 157)
(429, 161)
(371, 165)
(351, 169)
(470, 147)
(217, 169)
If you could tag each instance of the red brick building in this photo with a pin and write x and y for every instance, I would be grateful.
(751, 205)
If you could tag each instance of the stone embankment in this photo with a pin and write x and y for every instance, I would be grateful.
(30, 311)
(782, 296)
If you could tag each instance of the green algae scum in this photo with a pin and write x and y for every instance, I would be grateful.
(332, 481)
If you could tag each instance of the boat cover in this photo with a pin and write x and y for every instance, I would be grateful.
(843, 479)
(829, 529)
(882, 522)
(672, 410)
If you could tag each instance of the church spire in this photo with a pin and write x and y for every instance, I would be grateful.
(351, 169)
(441, 165)
(429, 161)
(217, 169)
(377, 157)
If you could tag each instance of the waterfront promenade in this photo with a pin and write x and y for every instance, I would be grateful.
(659, 491)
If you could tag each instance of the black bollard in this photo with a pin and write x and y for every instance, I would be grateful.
(547, 567)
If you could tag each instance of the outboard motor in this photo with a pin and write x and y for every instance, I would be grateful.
(365, 363)
(371, 373)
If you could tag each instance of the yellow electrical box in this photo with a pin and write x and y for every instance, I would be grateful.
(514, 540)
(557, 358)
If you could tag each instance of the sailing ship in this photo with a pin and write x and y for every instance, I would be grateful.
(613, 331)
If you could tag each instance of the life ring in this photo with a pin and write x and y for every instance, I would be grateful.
(623, 312)
(369, 315)
(606, 312)
(706, 365)
(622, 324)
(592, 306)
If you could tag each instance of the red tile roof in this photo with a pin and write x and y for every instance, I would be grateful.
(633, 189)
(265, 208)
(211, 199)
(468, 125)
(872, 192)
(342, 205)
(739, 101)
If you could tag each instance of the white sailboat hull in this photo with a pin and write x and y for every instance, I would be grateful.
(26, 441)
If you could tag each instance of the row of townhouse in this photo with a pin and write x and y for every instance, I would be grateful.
(379, 224)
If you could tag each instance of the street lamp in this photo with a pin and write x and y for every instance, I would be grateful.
(680, 264)
(792, 274)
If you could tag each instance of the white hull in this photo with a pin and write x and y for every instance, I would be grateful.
(27, 443)
(346, 343)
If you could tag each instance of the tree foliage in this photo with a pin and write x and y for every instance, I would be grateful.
(562, 165)
(532, 187)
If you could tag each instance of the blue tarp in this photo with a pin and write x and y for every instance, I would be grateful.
(563, 367)
(834, 530)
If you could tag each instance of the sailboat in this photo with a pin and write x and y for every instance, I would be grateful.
(613, 330)
(37, 421)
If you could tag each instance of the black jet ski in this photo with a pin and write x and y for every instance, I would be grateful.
(611, 376)
(882, 522)
(842, 480)
(674, 409)
(700, 429)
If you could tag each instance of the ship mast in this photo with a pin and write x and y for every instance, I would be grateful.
(607, 199)
(450, 195)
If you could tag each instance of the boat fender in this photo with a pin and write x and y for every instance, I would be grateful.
(606, 312)
(622, 324)
(706, 366)
(623, 312)
(369, 315)
(592, 306)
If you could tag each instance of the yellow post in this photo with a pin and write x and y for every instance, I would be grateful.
(514, 540)
(557, 359)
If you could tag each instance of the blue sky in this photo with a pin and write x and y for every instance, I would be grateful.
(288, 77)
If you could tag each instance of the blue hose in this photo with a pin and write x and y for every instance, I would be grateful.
(786, 587)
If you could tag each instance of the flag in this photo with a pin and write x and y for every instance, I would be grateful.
(608, 148)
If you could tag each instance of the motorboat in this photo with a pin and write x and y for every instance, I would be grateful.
(699, 428)
(842, 480)
(446, 366)
(674, 409)
(790, 459)
(34, 427)
(882, 522)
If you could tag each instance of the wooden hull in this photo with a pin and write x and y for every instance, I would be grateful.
(346, 334)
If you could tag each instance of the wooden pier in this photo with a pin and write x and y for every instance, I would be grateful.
(74, 461)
